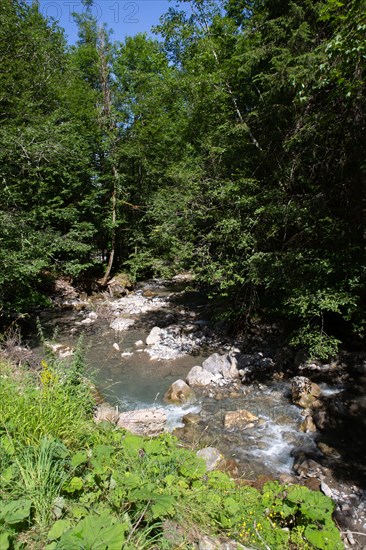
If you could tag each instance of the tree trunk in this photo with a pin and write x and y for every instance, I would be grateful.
(109, 125)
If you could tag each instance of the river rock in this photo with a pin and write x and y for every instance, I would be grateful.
(304, 391)
(119, 285)
(328, 451)
(191, 419)
(305, 466)
(198, 376)
(238, 418)
(226, 365)
(147, 422)
(154, 336)
(87, 321)
(186, 276)
(66, 352)
(179, 392)
(106, 413)
(210, 543)
(211, 456)
(321, 419)
(121, 323)
(308, 425)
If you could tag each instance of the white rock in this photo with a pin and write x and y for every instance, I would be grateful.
(126, 354)
(154, 336)
(67, 352)
(326, 490)
(139, 343)
(116, 346)
(121, 323)
(226, 365)
(93, 315)
(87, 321)
(198, 376)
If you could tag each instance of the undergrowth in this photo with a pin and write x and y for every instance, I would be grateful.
(68, 484)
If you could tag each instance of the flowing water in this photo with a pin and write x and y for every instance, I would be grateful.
(127, 376)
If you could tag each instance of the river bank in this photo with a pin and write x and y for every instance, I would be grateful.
(144, 341)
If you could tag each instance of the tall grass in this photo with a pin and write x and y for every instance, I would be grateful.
(31, 412)
(42, 472)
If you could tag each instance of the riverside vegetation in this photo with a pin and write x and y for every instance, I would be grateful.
(67, 483)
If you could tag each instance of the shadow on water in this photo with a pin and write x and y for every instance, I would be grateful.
(344, 430)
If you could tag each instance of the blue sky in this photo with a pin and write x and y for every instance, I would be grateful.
(125, 17)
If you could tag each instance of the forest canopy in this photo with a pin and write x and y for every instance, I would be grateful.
(232, 145)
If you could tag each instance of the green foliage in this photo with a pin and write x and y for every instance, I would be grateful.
(286, 516)
(15, 511)
(233, 147)
(110, 488)
(94, 532)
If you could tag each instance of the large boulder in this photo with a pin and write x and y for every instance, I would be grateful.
(226, 365)
(198, 376)
(146, 422)
(154, 337)
(179, 393)
(304, 391)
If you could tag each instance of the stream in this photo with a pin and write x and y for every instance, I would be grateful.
(133, 366)
(133, 376)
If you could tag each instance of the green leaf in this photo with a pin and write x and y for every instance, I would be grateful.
(7, 444)
(76, 484)
(164, 505)
(326, 539)
(5, 540)
(9, 473)
(95, 533)
(81, 457)
(15, 511)
(59, 529)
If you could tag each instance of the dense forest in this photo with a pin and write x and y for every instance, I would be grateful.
(233, 145)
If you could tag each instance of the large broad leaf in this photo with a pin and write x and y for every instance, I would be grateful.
(15, 511)
(7, 444)
(59, 528)
(95, 533)
(324, 539)
(81, 457)
(313, 504)
(162, 505)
